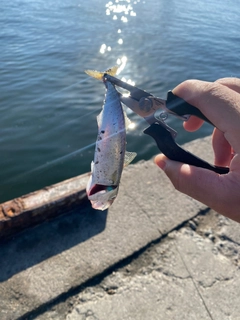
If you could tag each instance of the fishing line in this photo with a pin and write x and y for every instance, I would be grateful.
(59, 91)
(49, 164)
(52, 129)
(56, 92)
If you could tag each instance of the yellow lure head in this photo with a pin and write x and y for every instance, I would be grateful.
(99, 75)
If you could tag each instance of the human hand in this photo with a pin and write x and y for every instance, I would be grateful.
(220, 102)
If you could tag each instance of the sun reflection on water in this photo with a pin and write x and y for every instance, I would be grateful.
(132, 126)
(124, 19)
(121, 11)
(118, 7)
(121, 62)
(104, 48)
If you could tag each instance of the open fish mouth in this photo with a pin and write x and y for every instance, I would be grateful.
(101, 188)
(102, 196)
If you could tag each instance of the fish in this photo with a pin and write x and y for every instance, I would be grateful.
(110, 155)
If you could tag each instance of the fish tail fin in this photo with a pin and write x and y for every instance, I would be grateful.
(99, 75)
(112, 71)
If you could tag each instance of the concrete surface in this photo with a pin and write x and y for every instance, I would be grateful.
(155, 254)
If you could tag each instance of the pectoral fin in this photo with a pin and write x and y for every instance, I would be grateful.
(92, 166)
(99, 119)
(129, 156)
(127, 120)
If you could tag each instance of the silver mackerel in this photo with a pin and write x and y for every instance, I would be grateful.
(110, 151)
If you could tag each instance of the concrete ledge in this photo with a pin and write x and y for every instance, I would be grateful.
(27, 211)
(48, 261)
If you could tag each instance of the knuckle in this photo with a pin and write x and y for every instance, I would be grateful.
(227, 81)
(186, 84)
(213, 89)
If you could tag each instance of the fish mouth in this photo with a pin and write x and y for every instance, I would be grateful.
(100, 187)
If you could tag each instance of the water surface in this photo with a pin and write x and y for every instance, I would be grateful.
(49, 105)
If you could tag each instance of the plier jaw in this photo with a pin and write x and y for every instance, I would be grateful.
(141, 102)
(155, 111)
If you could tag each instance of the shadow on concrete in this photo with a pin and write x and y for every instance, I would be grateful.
(34, 245)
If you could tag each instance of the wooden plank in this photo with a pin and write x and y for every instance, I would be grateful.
(36, 207)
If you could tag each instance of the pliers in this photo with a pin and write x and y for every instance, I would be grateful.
(155, 111)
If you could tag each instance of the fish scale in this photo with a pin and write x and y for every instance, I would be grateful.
(111, 141)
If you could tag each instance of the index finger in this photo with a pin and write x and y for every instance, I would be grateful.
(218, 102)
(192, 124)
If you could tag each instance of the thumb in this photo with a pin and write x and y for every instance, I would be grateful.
(201, 184)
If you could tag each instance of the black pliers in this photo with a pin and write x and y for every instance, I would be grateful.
(155, 111)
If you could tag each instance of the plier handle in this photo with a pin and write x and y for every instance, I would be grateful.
(155, 111)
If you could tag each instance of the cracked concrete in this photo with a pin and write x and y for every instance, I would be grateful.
(155, 254)
(185, 275)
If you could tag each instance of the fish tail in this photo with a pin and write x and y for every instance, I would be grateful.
(99, 75)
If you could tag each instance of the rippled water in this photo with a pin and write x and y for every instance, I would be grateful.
(49, 105)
